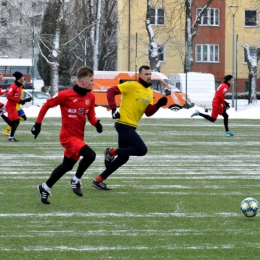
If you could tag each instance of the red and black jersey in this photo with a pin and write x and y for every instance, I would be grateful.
(75, 109)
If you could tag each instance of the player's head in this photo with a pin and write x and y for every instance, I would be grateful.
(19, 77)
(228, 79)
(85, 77)
(145, 73)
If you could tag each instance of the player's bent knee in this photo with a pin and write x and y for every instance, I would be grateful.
(142, 151)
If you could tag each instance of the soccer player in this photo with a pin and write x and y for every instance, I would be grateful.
(21, 113)
(219, 105)
(137, 99)
(77, 104)
(13, 98)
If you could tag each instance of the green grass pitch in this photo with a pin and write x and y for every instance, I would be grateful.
(181, 201)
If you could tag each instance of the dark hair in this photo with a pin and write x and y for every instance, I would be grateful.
(84, 71)
(145, 67)
(227, 78)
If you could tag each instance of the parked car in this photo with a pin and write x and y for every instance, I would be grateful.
(8, 81)
(38, 98)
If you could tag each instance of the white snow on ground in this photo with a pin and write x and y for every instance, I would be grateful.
(244, 110)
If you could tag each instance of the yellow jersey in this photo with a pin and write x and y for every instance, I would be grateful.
(135, 100)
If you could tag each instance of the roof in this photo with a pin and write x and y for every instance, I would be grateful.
(16, 62)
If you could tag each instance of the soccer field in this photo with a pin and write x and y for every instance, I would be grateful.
(181, 201)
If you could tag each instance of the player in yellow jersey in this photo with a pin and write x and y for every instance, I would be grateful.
(21, 114)
(137, 99)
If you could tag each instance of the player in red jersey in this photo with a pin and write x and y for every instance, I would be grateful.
(77, 104)
(14, 98)
(219, 105)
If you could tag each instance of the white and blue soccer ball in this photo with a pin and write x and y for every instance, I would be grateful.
(249, 207)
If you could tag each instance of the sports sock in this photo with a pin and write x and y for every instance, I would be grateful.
(8, 128)
(99, 179)
(112, 152)
(75, 179)
(46, 187)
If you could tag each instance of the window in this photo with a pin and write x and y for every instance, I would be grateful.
(246, 86)
(157, 85)
(207, 53)
(3, 21)
(210, 16)
(33, 4)
(252, 52)
(21, 4)
(161, 52)
(251, 18)
(21, 20)
(157, 16)
(4, 3)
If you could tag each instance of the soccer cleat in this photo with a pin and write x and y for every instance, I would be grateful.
(108, 158)
(75, 185)
(12, 139)
(196, 113)
(6, 132)
(43, 194)
(229, 133)
(99, 185)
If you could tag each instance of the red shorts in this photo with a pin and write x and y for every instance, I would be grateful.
(72, 147)
(12, 112)
(217, 110)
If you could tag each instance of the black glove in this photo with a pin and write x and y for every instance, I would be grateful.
(99, 127)
(161, 102)
(115, 113)
(27, 99)
(36, 129)
(21, 102)
(227, 106)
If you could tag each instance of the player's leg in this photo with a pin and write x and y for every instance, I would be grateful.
(225, 116)
(130, 144)
(58, 172)
(88, 157)
(8, 128)
(14, 124)
(22, 115)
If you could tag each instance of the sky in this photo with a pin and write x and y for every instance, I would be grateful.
(244, 110)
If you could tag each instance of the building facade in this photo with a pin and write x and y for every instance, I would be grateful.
(215, 47)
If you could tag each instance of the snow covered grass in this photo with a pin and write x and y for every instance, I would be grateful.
(181, 201)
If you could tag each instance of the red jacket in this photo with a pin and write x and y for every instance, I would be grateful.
(219, 98)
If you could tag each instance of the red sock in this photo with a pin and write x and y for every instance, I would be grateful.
(112, 152)
(99, 179)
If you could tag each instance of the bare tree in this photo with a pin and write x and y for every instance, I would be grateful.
(252, 63)
(191, 30)
(95, 31)
(153, 53)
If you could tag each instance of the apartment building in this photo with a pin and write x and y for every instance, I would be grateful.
(215, 49)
